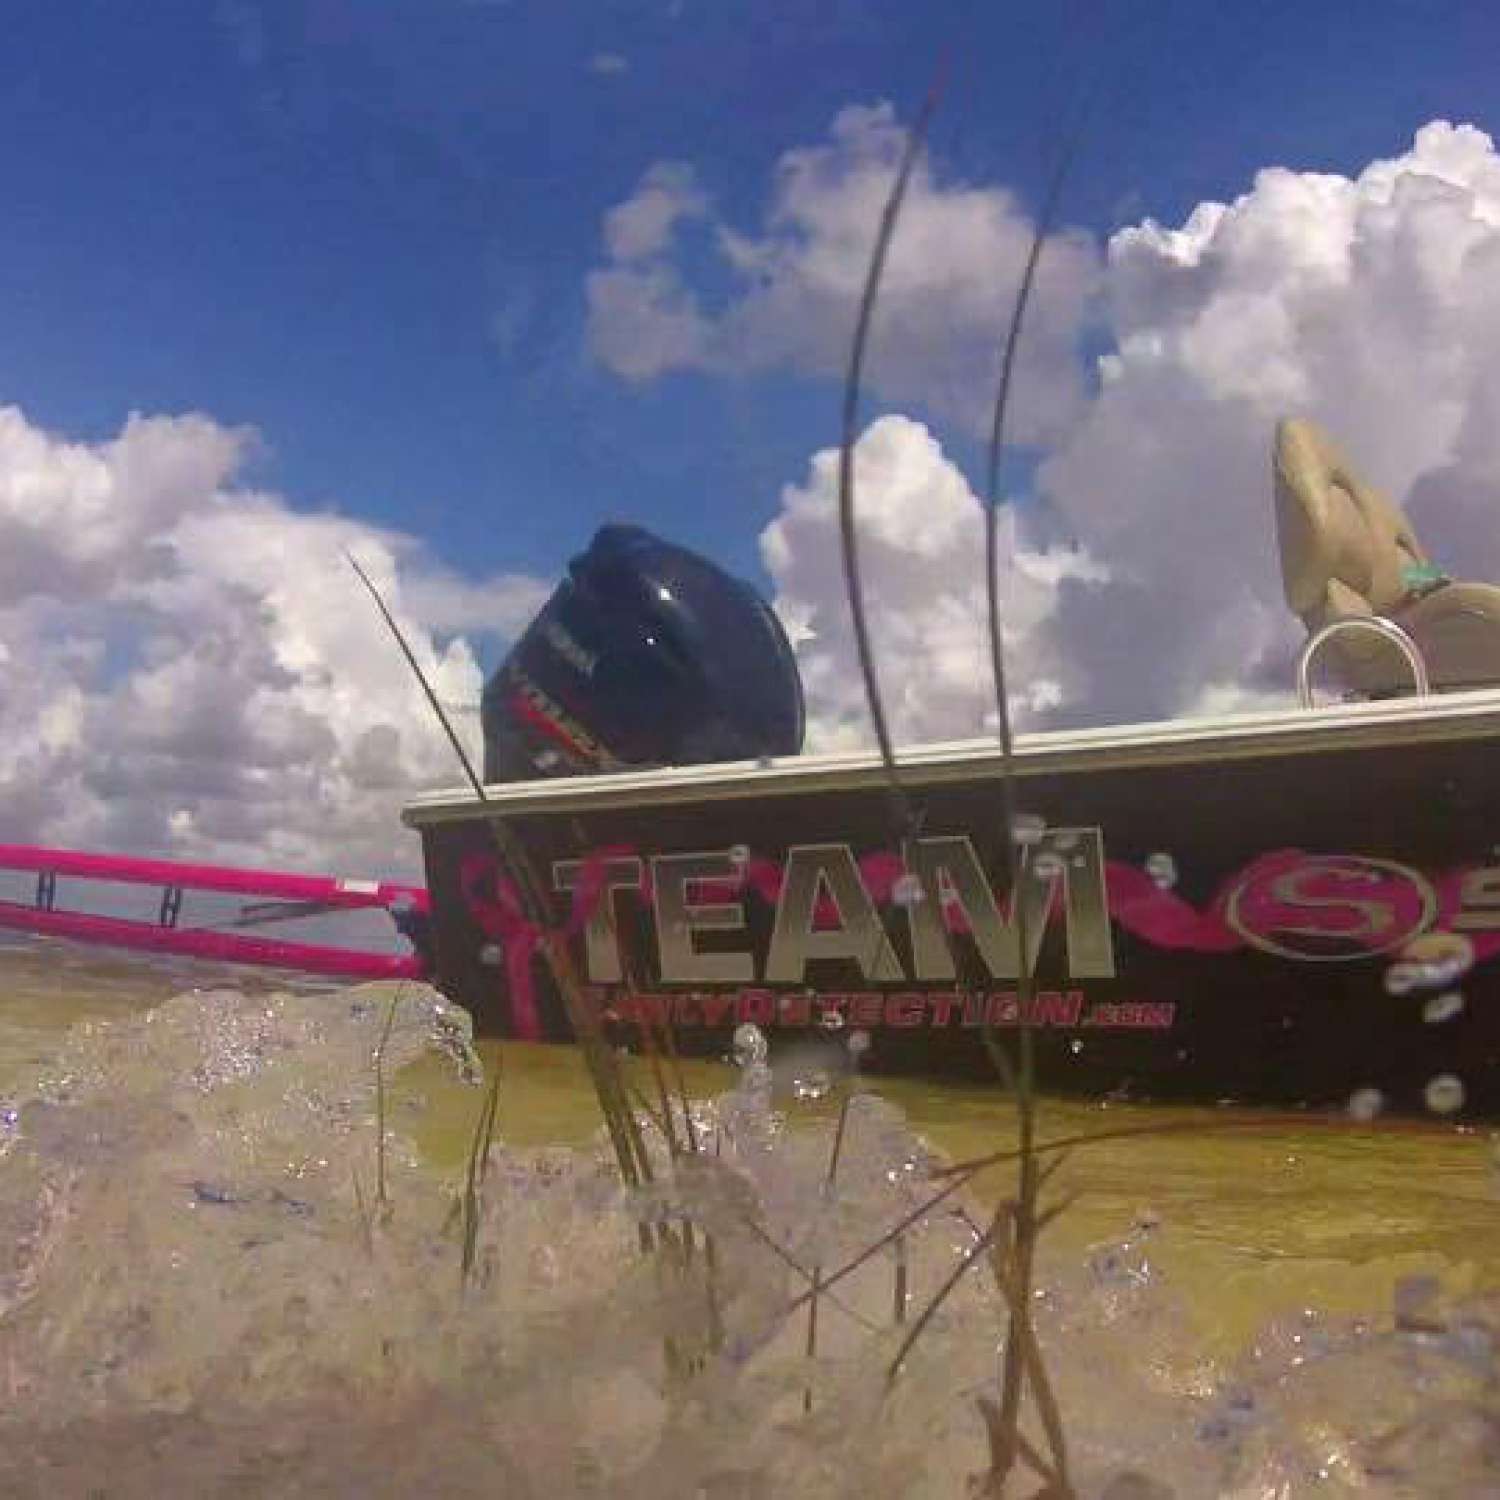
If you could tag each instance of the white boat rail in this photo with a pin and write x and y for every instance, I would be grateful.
(1441, 717)
(1381, 626)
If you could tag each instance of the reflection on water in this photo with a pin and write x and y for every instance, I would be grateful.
(196, 1298)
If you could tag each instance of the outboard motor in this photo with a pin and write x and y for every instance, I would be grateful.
(646, 655)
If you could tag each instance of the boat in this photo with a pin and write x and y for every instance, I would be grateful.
(1299, 907)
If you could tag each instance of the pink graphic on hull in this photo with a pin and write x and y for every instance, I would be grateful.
(1299, 906)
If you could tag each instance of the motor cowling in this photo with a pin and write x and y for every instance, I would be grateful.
(645, 655)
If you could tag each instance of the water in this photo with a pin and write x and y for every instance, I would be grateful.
(196, 1298)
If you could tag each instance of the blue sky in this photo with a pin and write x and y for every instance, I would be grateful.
(364, 227)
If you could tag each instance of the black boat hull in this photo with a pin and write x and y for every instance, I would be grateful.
(1219, 916)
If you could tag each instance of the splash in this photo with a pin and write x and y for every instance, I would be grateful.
(213, 1281)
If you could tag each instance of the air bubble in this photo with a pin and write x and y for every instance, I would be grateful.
(1444, 1095)
(1029, 828)
(1162, 869)
(1365, 1104)
(1443, 1007)
(907, 891)
(750, 1046)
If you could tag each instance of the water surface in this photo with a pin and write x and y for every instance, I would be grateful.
(202, 1187)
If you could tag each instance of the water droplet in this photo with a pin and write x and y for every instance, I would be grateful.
(1435, 960)
(492, 955)
(1365, 1104)
(1401, 979)
(1162, 869)
(812, 1087)
(1049, 865)
(750, 1046)
(739, 855)
(1443, 1007)
(907, 891)
(858, 1043)
(1444, 1095)
(1029, 828)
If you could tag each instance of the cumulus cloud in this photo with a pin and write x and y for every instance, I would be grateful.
(642, 227)
(1370, 303)
(794, 283)
(190, 667)
(500, 605)
(921, 537)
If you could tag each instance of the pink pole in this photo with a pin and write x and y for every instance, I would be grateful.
(116, 932)
(331, 890)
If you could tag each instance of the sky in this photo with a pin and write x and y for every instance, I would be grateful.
(449, 283)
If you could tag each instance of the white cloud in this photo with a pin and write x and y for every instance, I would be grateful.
(643, 225)
(502, 604)
(795, 284)
(193, 668)
(74, 516)
(1371, 304)
(609, 64)
(922, 562)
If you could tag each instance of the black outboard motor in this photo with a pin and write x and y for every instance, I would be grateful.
(646, 655)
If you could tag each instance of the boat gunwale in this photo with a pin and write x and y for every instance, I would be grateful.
(1300, 731)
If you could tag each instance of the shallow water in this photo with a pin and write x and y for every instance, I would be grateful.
(196, 1298)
